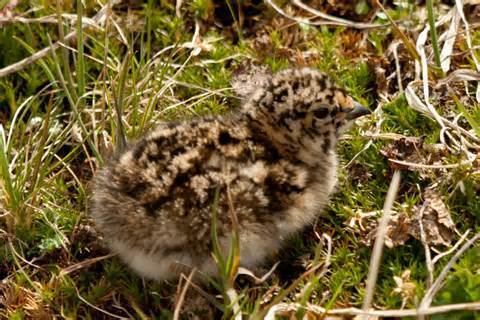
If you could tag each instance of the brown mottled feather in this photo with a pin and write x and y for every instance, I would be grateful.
(274, 160)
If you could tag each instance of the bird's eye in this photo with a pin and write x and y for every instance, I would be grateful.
(321, 113)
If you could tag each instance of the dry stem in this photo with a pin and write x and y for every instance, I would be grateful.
(380, 241)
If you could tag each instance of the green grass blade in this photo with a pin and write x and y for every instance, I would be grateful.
(80, 51)
(433, 35)
(119, 97)
(7, 185)
(217, 254)
(471, 120)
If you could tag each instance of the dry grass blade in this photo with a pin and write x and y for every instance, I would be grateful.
(452, 249)
(378, 136)
(48, 19)
(459, 5)
(437, 285)
(286, 309)
(17, 66)
(417, 104)
(328, 256)
(178, 306)
(84, 264)
(19, 256)
(430, 166)
(178, 7)
(380, 241)
(97, 308)
(328, 19)
(406, 41)
(459, 75)
(258, 280)
(268, 312)
(398, 70)
(450, 35)
(428, 255)
(378, 129)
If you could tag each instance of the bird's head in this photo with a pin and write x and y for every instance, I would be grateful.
(302, 110)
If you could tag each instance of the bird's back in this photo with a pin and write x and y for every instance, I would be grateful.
(159, 194)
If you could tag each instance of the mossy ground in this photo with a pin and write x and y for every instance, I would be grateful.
(59, 124)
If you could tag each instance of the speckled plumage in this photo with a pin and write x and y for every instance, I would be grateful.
(273, 162)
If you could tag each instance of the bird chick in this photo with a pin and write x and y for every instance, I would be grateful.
(272, 163)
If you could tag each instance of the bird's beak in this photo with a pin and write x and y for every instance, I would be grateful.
(357, 111)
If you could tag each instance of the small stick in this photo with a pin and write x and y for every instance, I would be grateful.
(452, 249)
(397, 66)
(379, 241)
(335, 20)
(111, 315)
(428, 254)
(437, 285)
(84, 264)
(283, 308)
(430, 166)
(329, 20)
(181, 298)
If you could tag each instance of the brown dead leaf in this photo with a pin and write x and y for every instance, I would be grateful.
(405, 287)
(437, 223)
(398, 231)
(405, 149)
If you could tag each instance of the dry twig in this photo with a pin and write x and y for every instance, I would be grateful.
(181, 298)
(285, 308)
(84, 264)
(437, 285)
(428, 255)
(327, 19)
(380, 241)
